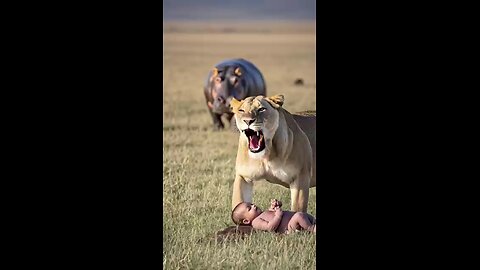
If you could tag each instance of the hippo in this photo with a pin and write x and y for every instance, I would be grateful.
(233, 78)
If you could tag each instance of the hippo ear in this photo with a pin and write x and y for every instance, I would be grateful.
(235, 104)
(238, 72)
(276, 101)
(214, 72)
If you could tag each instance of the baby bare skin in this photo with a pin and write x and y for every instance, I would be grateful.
(290, 220)
(273, 219)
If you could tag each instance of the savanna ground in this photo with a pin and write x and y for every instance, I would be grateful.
(199, 163)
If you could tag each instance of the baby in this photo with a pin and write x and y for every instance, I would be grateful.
(273, 220)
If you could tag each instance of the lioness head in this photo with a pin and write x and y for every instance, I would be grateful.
(257, 118)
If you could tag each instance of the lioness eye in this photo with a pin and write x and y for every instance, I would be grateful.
(241, 110)
(261, 109)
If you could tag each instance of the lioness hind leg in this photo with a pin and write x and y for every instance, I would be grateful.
(299, 197)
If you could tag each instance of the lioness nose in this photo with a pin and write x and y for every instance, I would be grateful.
(249, 121)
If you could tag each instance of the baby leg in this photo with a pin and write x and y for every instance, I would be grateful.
(301, 220)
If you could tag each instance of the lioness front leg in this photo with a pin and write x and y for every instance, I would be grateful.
(242, 191)
(299, 194)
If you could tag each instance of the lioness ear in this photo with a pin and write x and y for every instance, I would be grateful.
(235, 104)
(276, 101)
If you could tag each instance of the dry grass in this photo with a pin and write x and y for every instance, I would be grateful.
(199, 164)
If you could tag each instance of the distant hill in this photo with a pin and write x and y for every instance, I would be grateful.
(240, 26)
(205, 10)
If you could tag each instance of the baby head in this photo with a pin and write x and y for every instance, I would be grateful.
(245, 213)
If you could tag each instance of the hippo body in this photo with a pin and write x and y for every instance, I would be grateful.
(233, 78)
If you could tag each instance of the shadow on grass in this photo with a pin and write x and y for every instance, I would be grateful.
(231, 233)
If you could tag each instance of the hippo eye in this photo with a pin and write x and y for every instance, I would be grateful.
(262, 109)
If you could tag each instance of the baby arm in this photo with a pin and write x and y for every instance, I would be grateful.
(268, 225)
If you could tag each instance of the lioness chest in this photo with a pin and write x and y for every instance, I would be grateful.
(269, 170)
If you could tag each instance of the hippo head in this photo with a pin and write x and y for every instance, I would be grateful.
(227, 83)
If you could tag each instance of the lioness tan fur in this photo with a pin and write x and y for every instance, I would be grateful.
(289, 156)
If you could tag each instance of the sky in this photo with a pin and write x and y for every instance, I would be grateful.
(210, 10)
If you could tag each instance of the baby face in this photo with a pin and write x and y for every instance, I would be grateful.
(249, 211)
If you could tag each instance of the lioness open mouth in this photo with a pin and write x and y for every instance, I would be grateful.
(256, 143)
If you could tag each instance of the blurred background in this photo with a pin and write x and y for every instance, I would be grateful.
(239, 10)
(278, 37)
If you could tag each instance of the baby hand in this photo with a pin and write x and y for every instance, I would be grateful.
(276, 203)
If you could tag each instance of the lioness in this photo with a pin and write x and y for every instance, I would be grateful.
(274, 145)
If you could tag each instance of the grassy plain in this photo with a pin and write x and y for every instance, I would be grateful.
(199, 164)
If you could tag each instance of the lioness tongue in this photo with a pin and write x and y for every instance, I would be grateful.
(254, 142)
